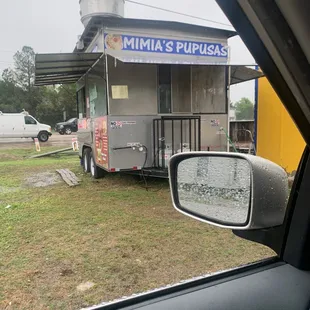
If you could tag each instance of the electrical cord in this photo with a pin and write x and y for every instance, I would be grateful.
(146, 156)
(142, 169)
(144, 177)
(178, 13)
(156, 155)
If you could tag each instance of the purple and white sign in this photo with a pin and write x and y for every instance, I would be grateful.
(122, 42)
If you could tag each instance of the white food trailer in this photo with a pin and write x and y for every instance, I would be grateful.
(146, 90)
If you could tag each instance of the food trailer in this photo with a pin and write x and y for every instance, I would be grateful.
(146, 90)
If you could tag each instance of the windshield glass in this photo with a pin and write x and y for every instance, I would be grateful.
(29, 120)
(90, 219)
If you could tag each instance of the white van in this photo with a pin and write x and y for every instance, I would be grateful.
(23, 125)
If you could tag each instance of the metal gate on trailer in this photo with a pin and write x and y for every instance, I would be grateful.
(173, 135)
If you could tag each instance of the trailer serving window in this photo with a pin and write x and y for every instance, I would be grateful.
(164, 89)
(174, 89)
(97, 98)
(81, 100)
(181, 89)
(209, 89)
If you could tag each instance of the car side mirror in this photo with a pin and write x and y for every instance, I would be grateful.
(236, 191)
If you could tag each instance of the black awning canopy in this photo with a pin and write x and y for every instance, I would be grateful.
(51, 69)
(239, 74)
(62, 68)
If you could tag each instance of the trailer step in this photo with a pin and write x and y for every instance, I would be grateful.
(69, 177)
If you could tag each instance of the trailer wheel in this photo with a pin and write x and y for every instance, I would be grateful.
(43, 136)
(95, 171)
(86, 160)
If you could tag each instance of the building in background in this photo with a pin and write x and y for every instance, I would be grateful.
(277, 137)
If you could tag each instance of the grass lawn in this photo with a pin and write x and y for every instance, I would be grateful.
(110, 232)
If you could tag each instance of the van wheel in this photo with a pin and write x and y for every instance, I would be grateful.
(95, 171)
(86, 160)
(43, 136)
(68, 131)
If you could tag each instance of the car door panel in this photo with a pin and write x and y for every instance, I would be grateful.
(75, 126)
(283, 287)
(11, 126)
(31, 130)
(274, 286)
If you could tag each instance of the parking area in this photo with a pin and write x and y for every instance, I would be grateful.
(25, 143)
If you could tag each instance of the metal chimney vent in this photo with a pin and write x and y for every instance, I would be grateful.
(109, 8)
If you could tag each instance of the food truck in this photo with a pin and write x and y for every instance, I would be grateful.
(146, 89)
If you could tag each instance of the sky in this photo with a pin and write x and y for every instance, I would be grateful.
(52, 26)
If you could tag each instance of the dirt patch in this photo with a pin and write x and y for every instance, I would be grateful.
(43, 179)
(5, 190)
(85, 286)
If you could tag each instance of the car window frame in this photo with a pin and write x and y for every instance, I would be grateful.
(291, 240)
(32, 118)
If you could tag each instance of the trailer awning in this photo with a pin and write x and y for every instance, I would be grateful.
(157, 58)
(51, 69)
(239, 73)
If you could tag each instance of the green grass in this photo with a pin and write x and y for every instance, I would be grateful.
(111, 232)
(23, 153)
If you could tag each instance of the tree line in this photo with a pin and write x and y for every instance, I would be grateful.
(45, 103)
(244, 109)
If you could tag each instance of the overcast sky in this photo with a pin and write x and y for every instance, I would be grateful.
(53, 26)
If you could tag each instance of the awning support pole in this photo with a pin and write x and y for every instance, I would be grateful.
(95, 63)
(107, 83)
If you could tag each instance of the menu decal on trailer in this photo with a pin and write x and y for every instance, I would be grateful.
(122, 42)
(102, 142)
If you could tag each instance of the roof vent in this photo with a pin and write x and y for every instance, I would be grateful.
(24, 112)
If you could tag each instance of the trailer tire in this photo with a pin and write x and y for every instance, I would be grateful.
(43, 136)
(95, 171)
(86, 160)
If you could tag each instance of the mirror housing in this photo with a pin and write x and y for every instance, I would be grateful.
(268, 185)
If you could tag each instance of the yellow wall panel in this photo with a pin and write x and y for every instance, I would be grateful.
(278, 139)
